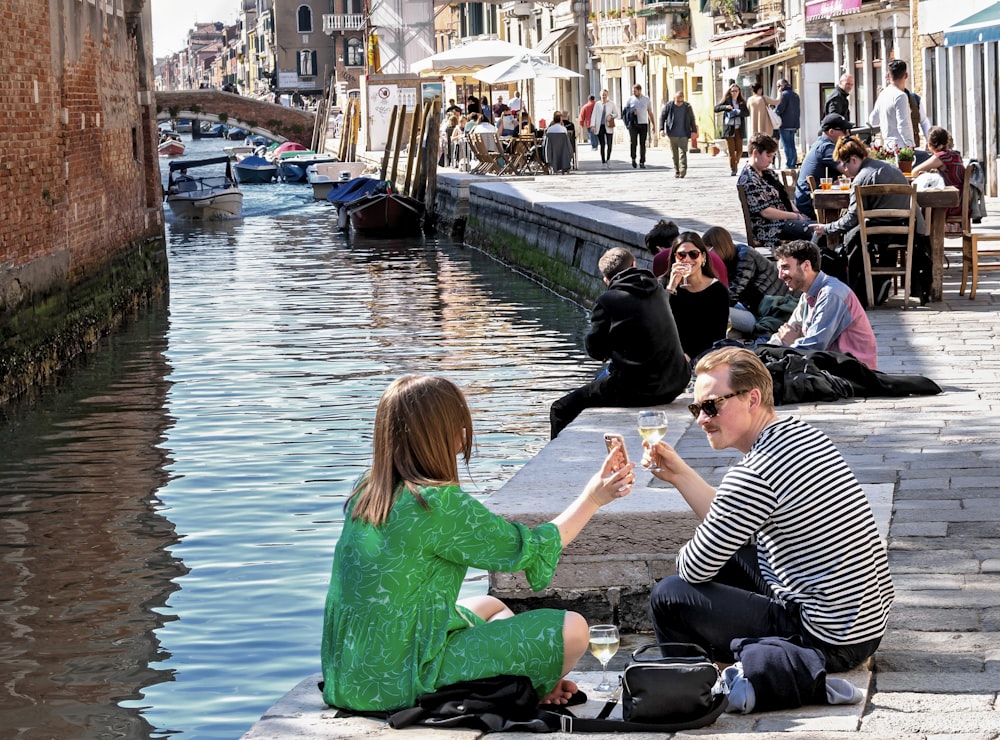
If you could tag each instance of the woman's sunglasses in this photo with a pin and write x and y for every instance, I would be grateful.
(711, 405)
(692, 255)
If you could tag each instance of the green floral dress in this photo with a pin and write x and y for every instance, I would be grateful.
(392, 629)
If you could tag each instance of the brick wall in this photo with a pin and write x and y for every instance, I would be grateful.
(79, 180)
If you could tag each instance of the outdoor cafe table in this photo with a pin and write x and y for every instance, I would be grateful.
(829, 204)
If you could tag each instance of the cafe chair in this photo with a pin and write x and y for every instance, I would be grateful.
(752, 240)
(488, 162)
(558, 152)
(896, 235)
(974, 259)
(790, 179)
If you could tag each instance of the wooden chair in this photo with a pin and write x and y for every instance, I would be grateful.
(752, 240)
(790, 179)
(489, 162)
(972, 263)
(903, 266)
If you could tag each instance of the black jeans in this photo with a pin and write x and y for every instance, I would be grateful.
(637, 135)
(605, 390)
(736, 604)
(605, 138)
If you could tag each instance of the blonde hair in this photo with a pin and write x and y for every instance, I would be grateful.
(419, 423)
(746, 372)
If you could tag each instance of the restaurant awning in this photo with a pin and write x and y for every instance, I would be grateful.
(789, 57)
(978, 28)
(555, 37)
(731, 45)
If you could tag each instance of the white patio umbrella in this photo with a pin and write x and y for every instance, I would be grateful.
(468, 58)
(526, 66)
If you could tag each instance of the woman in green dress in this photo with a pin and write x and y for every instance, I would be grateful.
(394, 628)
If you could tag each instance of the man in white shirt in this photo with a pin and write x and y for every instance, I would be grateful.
(892, 109)
(515, 104)
(642, 109)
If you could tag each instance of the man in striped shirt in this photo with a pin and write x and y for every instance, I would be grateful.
(787, 545)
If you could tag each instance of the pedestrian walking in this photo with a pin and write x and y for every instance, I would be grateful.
(789, 108)
(602, 124)
(641, 108)
(734, 124)
(678, 124)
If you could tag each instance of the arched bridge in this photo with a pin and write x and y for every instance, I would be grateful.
(267, 119)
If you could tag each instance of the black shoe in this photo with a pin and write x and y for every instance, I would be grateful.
(882, 292)
(633, 164)
(642, 165)
(732, 173)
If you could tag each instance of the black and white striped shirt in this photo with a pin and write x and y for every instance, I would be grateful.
(817, 542)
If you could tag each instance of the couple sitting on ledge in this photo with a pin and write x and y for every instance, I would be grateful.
(819, 584)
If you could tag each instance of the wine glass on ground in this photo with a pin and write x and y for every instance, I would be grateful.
(604, 642)
(652, 428)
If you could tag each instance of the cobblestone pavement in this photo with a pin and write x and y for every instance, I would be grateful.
(938, 670)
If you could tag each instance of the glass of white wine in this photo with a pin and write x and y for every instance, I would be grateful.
(652, 428)
(604, 642)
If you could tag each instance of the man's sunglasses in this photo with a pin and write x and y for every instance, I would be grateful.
(711, 406)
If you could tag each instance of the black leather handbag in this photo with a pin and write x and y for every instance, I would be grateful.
(670, 683)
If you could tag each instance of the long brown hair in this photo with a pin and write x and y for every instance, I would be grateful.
(419, 423)
(720, 241)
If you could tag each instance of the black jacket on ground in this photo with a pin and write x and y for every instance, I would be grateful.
(633, 327)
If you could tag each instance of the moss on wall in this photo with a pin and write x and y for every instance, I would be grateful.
(41, 335)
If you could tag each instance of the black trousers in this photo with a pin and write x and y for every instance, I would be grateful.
(637, 135)
(738, 603)
(605, 390)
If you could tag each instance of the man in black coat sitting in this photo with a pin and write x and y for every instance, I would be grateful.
(633, 329)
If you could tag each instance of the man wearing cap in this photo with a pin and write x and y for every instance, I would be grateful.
(819, 162)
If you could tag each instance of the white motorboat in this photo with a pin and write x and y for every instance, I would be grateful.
(324, 175)
(203, 197)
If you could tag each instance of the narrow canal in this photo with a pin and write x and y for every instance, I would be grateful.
(169, 507)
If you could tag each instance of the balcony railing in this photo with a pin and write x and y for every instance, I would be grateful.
(351, 22)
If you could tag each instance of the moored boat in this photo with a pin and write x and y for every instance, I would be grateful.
(255, 170)
(206, 197)
(292, 166)
(324, 175)
(386, 214)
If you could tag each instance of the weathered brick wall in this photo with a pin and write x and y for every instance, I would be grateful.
(79, 181)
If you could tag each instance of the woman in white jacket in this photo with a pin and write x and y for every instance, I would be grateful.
(602, 123)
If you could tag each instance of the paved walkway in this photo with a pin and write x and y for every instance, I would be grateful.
(938, 670)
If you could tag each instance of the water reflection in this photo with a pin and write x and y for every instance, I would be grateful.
(169, 511)
(85, 562)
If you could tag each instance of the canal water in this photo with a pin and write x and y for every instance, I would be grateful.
(169, 507)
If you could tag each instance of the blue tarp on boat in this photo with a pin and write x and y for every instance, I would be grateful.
(347, 192)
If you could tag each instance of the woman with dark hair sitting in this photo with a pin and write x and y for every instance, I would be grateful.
(700, 303)
(772, 215)
(751, 277)
(945, 160)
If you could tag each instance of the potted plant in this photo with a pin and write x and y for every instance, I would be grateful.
(904, 158)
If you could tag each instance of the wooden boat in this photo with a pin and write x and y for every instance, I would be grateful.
(386, 214)
(255, 170)
(210, 197)
(170, 144)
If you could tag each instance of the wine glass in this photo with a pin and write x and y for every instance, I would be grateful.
(685, 271)
(652, 428)
(604, 642)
